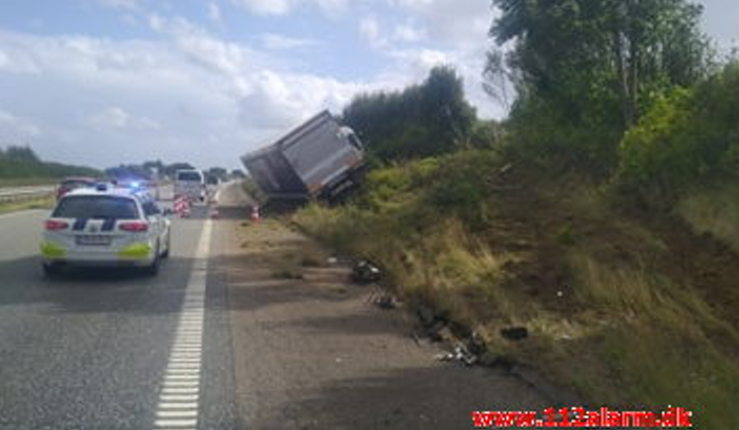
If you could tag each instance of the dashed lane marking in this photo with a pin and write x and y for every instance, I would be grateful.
(179, 399)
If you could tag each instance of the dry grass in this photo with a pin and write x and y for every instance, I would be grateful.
(656, 337)
(629, 330)
(35, 203)
(714, 211)
(19, 182)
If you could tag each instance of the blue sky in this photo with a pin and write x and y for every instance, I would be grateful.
(102, 82)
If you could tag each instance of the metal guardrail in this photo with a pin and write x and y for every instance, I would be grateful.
(24, 193)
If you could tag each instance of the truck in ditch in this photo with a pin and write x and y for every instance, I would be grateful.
(319, 159)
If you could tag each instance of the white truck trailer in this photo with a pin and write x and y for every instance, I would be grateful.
(318, 159)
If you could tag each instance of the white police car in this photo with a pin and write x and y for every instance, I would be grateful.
(105, 226)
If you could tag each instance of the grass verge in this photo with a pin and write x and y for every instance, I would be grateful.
(615, 308)
(35, 203)
(19, 182)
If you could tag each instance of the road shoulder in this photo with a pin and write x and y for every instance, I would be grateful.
(312, 351)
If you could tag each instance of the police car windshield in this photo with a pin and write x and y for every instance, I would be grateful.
(189, 176)
(102, 207)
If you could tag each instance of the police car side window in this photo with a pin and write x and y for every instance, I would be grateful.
(150, 208)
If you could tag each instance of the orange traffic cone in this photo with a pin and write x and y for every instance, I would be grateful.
(255, 213)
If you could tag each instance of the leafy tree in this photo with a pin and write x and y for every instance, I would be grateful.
(21, 153)
(218, 172)
(22, 162)
(590, 68)
(687, 136)
(153, 166)
(422, 120)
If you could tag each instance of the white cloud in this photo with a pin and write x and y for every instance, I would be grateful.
(115, 117)
(452, 22)
(274, 41)
(122, 4)
(17, 127)
(453, 32)
(214, 13)
(408, 33)
(186, 90)
(130, 20)
(266, 7)
(156, 22)
(159, 98)
(369, 29)
(719, 19)
(331, 8)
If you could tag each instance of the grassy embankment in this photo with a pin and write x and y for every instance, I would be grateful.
(21, 166)
(46, 202)
(630, 310)
(21, 182)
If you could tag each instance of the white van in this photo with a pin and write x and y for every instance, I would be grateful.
(190, 183)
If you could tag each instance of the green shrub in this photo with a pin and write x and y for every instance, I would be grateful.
(687, 136)
(550, 136)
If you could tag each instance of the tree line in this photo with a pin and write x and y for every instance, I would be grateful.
(18, 162)
(630, 91)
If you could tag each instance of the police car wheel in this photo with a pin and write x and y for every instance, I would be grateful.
(165, 254)
(50, 269)
(153, 268)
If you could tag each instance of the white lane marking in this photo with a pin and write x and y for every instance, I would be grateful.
(179, 370)
(184, 365)
(217, 195)
(178, 414)
(182, 384)
(178, 400)
(176, 424)
(195, 378)
(179, 405)
(192, 356)
(166, 391)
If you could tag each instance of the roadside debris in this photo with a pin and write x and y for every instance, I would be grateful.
(383, 300)
(425, 315)
(515, 333)
(460, 353)
(365, 272)
(434, 327)
(254, 216)
(386, 302)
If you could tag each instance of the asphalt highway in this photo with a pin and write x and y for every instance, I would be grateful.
(220, 339)
(90, 349)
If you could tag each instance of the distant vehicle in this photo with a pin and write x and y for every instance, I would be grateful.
(122, 177)
(105, 226)
(68, 184)
(319, 159)
(190, 183)
(213, 180)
